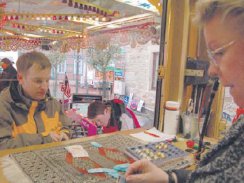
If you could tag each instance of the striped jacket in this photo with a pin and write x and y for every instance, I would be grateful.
(225, 162)
(24, 122)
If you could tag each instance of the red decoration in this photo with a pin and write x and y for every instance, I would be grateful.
(65, 87)
(3, 4)
(104, 151)
(239, 111)
(5, 18)
(190, 143)
(70, 160)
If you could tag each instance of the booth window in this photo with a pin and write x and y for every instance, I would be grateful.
(81, 65)
(62, 67)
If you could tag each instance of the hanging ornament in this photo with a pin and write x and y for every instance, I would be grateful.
(70, 3)
(3, 18)
(89, 7)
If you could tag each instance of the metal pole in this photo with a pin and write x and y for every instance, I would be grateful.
(77, 72)
(161, 63)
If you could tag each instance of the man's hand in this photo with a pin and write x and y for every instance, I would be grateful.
(64, 136)
(143, 171)
(58, 137)
(55, 137)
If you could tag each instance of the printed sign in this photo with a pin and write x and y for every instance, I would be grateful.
(118, 73)
(126, 99)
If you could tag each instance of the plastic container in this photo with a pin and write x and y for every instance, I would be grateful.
(191, 125)
(171, 117)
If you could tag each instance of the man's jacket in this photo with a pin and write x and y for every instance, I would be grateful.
(24, 122)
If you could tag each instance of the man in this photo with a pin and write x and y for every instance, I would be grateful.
(28, 114)
(8, 75)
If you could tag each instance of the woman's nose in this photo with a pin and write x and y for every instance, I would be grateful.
(213, 70)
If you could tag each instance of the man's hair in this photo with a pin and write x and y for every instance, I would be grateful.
(207, 9)
(27, 60)
(95, 108)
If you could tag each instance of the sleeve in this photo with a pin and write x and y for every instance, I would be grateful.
(23, 140)
(127, 122)
(6, 138)
(65, 121)
(182, 175)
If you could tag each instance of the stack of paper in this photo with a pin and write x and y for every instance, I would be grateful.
(77, 151)
(153, 135)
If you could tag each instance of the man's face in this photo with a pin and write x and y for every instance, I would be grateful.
(35, 82)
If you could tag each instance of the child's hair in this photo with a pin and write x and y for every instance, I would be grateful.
(117, 109)
(98, 107)
(95, 108)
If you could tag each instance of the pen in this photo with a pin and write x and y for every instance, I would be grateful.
(154, 135)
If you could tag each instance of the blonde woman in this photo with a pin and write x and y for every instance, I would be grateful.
(223, 26)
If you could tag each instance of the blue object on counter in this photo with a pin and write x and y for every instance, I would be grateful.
(95, 144)
(121, 167)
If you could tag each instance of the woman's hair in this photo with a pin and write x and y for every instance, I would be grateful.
(207, 9)
(95, 108)
(27, 60)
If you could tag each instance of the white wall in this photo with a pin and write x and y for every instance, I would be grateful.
(138, 73)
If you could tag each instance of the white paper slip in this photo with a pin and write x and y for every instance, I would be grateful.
(77, 151)
(152, 135)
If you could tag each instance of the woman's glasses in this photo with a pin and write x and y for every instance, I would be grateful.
(216, 55)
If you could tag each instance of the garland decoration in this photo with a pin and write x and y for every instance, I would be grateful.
(53, 17)
(89, 7)
(2, 6)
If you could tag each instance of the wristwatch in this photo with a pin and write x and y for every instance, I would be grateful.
(171, 178)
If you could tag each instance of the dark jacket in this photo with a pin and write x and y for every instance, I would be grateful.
(7, 76)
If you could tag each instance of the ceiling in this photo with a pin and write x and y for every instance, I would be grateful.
(64, 19)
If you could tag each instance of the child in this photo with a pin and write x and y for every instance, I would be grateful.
(112, 116)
